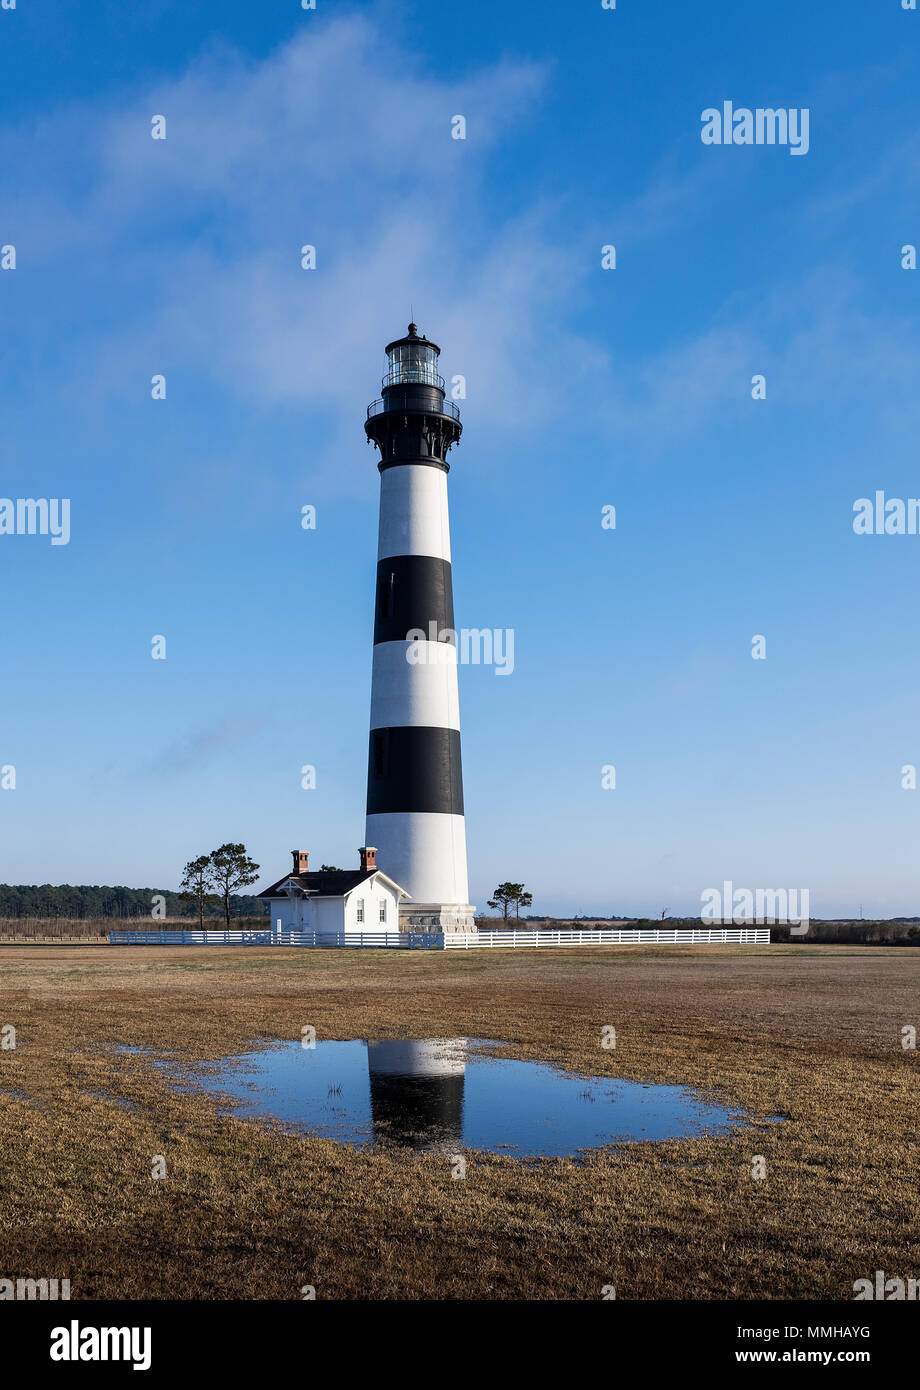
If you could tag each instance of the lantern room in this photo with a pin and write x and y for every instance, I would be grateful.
(412, 361)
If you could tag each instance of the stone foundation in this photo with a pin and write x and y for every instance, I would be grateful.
(439, 918)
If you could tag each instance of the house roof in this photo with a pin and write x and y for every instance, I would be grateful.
(329, 883)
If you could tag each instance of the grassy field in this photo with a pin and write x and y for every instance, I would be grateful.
(247, 1210)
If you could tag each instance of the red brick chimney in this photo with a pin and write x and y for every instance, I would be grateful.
(368, 858)
(301, 858)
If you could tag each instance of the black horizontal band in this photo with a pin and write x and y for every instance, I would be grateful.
(414, 769)
(384, 464)
(416, 1109)
(412, 592)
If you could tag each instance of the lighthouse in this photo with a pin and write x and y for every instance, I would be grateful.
(414, 779)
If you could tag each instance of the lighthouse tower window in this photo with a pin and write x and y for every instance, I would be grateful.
(385, 596)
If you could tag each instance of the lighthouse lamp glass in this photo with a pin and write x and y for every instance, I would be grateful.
(412, 362)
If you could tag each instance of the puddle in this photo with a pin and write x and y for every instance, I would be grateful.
(445, 1095)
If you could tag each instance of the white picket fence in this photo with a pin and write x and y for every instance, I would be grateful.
(273, 937)
(401, 940)
(613, 936)
(453, 941)
(191, 938)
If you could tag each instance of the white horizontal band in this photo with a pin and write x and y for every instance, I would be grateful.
(413, 512)
(405, 693)
(424, 852)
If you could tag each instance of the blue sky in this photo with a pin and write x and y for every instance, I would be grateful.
(585, 387)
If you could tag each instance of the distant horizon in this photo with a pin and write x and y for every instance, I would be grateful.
(484, 912)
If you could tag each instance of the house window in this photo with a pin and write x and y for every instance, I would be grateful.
(383, 909)
(360, 909)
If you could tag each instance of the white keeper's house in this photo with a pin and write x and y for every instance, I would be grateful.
(335, 900)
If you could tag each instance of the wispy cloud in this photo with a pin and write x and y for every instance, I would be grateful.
(197, 749)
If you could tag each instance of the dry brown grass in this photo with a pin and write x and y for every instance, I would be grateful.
(249, 1211)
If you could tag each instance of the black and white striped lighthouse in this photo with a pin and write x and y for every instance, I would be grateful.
(414, 779)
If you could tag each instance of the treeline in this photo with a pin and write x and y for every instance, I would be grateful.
(77, 901)
(887, 931)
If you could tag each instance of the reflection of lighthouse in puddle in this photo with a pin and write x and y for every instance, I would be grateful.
(417, 1092)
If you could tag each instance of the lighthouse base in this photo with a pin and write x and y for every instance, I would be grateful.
(439, 918)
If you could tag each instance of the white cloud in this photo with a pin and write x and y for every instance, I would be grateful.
(197, 239)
